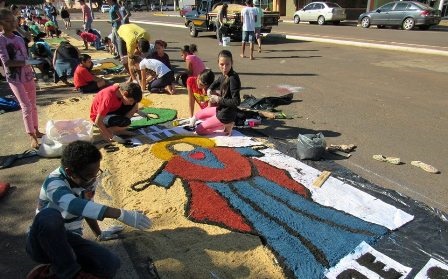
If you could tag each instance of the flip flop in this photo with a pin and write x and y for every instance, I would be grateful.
(111, 148)
(425, 167)
(392, 160)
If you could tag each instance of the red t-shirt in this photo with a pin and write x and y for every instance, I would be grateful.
(88, 37)
(82, 76)
(104, 102)
(197, 93)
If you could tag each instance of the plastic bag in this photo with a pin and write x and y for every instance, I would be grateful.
(49, 148)
(67, 131)
(9, 104)
(311, 146)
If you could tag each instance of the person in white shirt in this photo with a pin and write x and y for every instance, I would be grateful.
(160, 79)
(248, 17)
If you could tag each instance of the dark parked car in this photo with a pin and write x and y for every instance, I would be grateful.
(406, 14)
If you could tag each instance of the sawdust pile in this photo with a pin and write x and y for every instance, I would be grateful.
(180, 248)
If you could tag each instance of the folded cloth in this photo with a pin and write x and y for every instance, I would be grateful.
(425, 167)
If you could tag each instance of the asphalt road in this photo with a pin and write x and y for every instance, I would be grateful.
(386, 102)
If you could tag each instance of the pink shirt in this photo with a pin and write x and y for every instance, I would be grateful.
(197, 65)
(13, 48)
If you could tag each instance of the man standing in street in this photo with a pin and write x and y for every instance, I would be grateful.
(258, 23)
(86, 15)
(248, 17)
(115, 20)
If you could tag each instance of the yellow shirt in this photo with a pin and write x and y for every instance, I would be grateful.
(131, 33)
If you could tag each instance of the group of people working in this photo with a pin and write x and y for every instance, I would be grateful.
(66, 197)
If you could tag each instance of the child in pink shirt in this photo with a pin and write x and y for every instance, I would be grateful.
(19, 74)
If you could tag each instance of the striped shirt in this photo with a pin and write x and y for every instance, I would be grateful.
(74, 203)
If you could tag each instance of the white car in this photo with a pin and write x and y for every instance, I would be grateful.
(105, 8)
(320, 12)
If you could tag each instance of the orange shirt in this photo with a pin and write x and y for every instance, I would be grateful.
(82, 77)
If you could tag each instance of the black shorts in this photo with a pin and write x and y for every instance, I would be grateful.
(91, 87)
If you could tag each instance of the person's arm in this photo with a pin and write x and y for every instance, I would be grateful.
(143, 80)
(93, 225)
(103, 129)
(55, 55)
(133, 110)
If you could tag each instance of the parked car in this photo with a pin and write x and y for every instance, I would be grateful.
(320, 12)
(105, 8)
(185, 10)
(140, 7)
(406, 14)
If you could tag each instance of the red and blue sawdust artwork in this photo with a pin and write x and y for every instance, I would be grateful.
(231, 188)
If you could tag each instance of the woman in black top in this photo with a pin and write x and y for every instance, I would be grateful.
(224, 94)
(160, 54)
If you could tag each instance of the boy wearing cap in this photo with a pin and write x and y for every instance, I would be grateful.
(112, 109)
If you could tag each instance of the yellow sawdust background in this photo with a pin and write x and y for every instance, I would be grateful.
(180, 248)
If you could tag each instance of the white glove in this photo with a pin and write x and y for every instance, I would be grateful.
(110, 233)
(192, 121)
(134, 219)
(214, 99)
(118, 139)
(209, 92)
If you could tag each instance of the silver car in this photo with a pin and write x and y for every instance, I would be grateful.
(320, 12)
(406, 14)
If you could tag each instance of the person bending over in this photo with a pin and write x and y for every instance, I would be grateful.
(88, 37)
(160, 77)
(112, 109)
(193, 64)
(197, 89)
(66, 199)
(84, 80)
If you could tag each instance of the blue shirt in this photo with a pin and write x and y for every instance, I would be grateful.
(113, 15)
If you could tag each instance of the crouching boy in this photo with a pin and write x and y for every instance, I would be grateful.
(65, 200)
(84, 80)
(112, 109)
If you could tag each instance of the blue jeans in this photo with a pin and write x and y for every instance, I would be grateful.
(53, 18)
(49, 242)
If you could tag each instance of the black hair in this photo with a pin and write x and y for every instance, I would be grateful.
(190, 49)
(79, 154)
(106, 40)
(13, 7)
(133, 90)
(206, 77)
(161, 43)
(143, 45)
(78, 31)
(84, 57)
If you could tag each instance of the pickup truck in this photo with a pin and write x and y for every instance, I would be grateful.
(203, 19)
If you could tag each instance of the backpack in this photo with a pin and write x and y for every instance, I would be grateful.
(9, 104)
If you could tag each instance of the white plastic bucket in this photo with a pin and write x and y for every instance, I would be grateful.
(225, 41)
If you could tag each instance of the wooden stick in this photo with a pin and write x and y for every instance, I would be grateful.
(340, 153)
(321, 179)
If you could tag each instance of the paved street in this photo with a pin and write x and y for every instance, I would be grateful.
(384, 101)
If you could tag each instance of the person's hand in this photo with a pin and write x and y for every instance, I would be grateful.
(118, 139)
(134, 219)
(143, 114)
(110, 233)
(214, 99)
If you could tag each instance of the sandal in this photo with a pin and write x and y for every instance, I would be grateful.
(111, 148)
(425, 167)
(392, 160)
